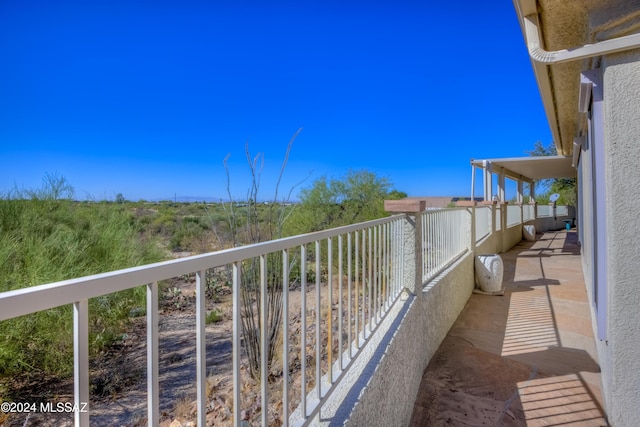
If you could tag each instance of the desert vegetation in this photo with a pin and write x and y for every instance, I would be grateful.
(49, 236)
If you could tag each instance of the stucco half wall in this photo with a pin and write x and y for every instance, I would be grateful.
(390, 395)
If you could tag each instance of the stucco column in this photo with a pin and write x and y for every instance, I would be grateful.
(411, 247)
(520, 197)
(487, 180)
(501, 186)
(503, 227)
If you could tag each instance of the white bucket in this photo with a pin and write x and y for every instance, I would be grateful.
(529, 233)
(489, 272)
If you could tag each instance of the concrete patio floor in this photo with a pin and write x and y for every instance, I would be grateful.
(525, 358)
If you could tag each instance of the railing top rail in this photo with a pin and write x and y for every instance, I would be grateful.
(32, 299)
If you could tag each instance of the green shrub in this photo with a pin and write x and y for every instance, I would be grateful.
(214, 316)
(46, 240)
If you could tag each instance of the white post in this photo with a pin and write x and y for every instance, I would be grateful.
(472, 224)
(501, 185)
(520, 197)
(285, 338)
(264, 340)
(201, 345)
(81, 361)
(153, 387)
(237, 330)
(486, 169)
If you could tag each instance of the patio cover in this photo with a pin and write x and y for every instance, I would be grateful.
(531, 168)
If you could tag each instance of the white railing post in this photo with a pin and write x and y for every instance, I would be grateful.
(329, 310)
(303, 329)
(318, 321)
(472, 227)
(340, 298)
(285, 338)
(153, 387)
(237, 330)
(264, 341)
(81, 362)
(201, 345)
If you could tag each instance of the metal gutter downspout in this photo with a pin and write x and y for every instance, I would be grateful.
(565, 55)
(540, 58)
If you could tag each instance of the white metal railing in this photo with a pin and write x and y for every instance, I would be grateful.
(514, 213)
(528, 213)
(562, 210)
(544, 211)
(445, 237)
(483, 222)
(348, 279)
(358, 274)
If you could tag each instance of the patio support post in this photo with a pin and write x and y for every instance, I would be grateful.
(532, 190)
(472, 211)
(504, 243)
(486, 172)
(501, 185)
(520, 197)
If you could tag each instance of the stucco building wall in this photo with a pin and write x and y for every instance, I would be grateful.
(621, 353)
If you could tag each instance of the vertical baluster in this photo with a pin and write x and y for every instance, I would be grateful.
(303, 327)
(237, 330)
(375, 258)
(330, 309)
(153, 388)
(201, 355)
(318, 320)
(424, 243)
(264, 341)
(363, 266)
(81, 361)
(357, 291)
(387, 260)
(370, 280)
(285, 338)
(441, 243)
(431, 239)
(349, 296)
(394, 253)
(340, 297)
(446, 229)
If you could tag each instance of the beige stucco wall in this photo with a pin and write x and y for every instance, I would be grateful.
(621, 355)
(511, 237)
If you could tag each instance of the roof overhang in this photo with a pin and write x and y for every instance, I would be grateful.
(530, 168)
(566, 38)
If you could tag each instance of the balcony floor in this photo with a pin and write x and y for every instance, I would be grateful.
(525, 358)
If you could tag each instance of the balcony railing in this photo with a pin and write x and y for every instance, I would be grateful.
(354, 273)
(445, 237)
(545, 211)
(514, 213)
(528, 212)
(483, 222)
(348, 279)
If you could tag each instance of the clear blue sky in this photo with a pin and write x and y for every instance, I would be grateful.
(146, 98)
